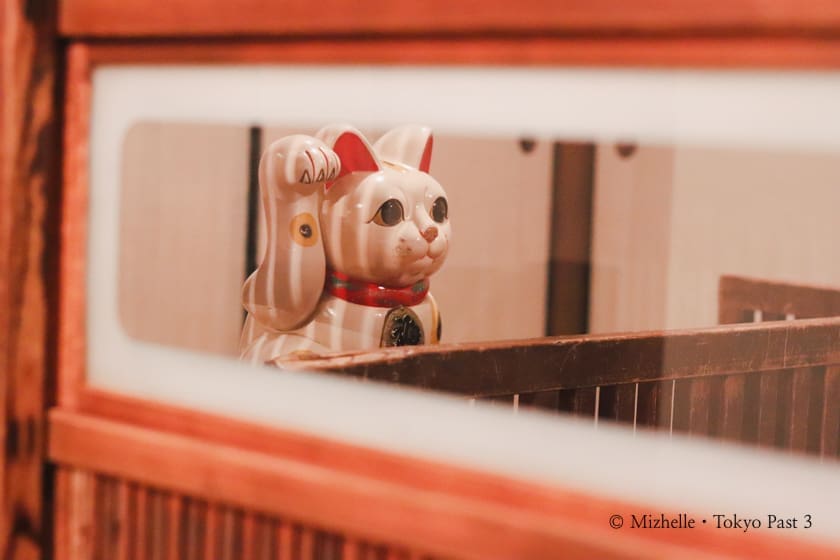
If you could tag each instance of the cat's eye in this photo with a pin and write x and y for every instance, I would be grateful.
(440, 210)
(390, 213)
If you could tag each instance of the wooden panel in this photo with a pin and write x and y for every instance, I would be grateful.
(29, 231)
(732, 406)
(259, 17)
(103, 527)
(777, 298)
(308, 507)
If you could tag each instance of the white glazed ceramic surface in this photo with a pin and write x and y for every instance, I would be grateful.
(370, 215)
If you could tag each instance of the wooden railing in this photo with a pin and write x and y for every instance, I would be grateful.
(772, 384)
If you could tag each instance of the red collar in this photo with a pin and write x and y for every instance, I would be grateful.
(367, 293)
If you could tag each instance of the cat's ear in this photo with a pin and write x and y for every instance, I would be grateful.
(354, 151)
(409, 144)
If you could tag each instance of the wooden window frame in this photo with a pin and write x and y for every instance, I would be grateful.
(427, 505)
(695, 33)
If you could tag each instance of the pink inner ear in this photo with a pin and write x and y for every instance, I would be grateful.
(426, 160)
(354, 154)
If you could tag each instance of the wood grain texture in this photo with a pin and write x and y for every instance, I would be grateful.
(731, 421)
(261, 17)
(738, 296)
(29, 200)
(587, 361)
(72, 351)
(830, 421)
(679, 51)
(317, 506)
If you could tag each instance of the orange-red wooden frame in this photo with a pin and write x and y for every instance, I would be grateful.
(133, 18)
(420, 503)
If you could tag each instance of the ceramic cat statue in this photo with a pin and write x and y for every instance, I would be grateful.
(354, 233)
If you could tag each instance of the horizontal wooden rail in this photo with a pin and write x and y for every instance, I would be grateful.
(530, 366)
(132, 18)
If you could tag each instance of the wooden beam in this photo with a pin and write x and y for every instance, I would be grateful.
(134, 18)
(29, 203)
(506, 368)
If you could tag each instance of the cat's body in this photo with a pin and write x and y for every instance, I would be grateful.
(337, 326)
(354, 232)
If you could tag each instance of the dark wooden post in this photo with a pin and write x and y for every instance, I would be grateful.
(29, 203)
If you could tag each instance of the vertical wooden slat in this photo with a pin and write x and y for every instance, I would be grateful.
(350, 549)
(506, 400)
(731, 423)
(62, 514)
(156, 525)
(100, 518)
(211, 530)
(798, 419)
(111, 526)
(543, 400)
(140, 514)
(580, 402)
(337, 547)
(174, 505)
(783, 411)
(830, 421)
(249, 535)
(82, 515)
(681, 405)
(653, 409)
(227, 534)
(307, 543)
(285, 541)
(767, 408)
(268, 539)
(122, 519)
(618, 403)
(700, 406)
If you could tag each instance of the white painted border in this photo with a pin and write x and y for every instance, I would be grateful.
(790, 110)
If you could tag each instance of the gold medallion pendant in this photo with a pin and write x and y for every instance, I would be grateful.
(402, 328)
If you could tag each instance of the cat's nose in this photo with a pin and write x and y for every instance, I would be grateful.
(430, 234)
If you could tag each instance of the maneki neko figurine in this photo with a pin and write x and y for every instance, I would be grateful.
(354, 233)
